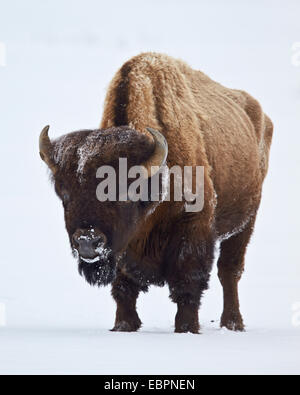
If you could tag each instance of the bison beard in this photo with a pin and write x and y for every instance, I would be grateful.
(98, 273)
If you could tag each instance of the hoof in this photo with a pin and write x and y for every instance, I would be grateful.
(187, 328)
(124, 326)
(234, 322)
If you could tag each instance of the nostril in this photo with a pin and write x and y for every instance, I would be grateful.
(96, 241)
(103, 239)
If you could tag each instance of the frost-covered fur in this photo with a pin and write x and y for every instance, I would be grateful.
(205, 124)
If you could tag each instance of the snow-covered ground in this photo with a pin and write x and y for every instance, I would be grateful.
(60, 57)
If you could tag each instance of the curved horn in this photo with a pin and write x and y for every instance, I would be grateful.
(46, 149)
(159, 156)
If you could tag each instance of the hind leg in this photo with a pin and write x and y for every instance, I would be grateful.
(231, 267)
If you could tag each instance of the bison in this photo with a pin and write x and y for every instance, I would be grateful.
(194, 121)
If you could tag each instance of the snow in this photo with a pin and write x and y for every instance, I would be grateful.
(103, 252)
(60, 150)
(87, 151)
(97, 259)
(153, 351)
(60, 58)
(237, 230)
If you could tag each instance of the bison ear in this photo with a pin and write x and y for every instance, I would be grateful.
(46, 149)
(159, 156)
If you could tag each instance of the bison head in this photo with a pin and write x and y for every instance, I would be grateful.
(100, 232)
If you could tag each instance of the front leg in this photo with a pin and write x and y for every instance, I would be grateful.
(125, 292)
(188, 277)
(187, 317)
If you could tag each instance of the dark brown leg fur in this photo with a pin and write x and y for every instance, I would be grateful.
(231, 267)
(188, 278)
(187, 318)
(125, 292)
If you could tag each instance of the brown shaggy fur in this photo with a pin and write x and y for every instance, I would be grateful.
(205, 124)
